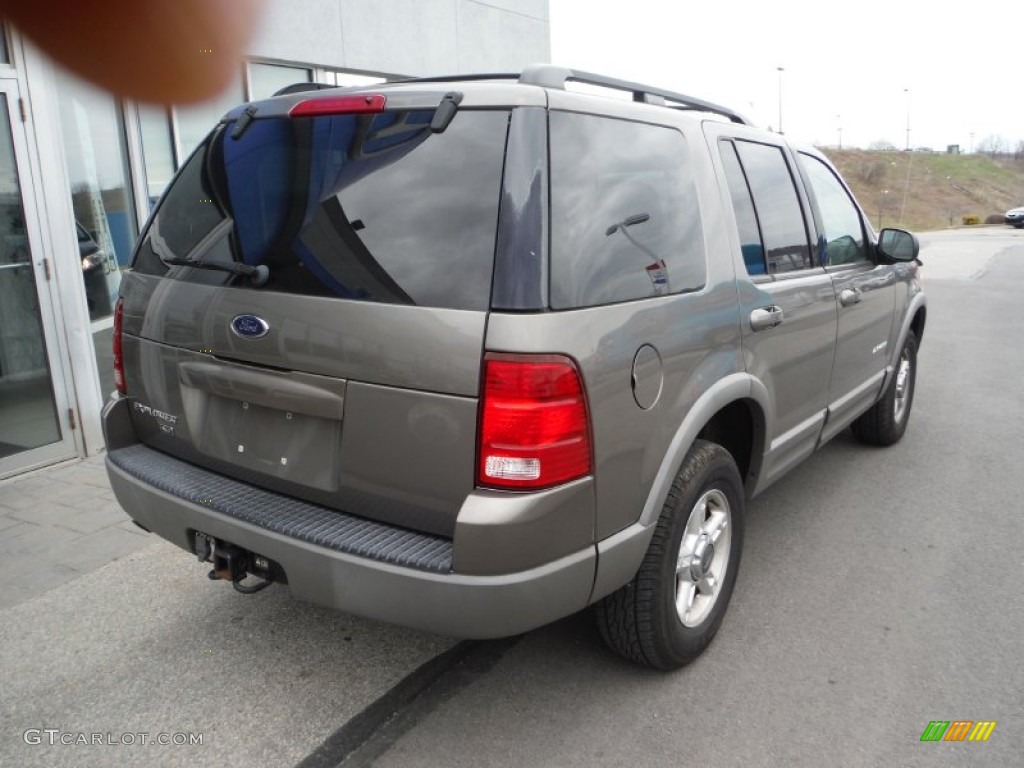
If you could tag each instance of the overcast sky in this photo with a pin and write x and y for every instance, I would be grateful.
(845, 64)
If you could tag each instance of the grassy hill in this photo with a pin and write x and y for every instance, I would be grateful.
(939, 189)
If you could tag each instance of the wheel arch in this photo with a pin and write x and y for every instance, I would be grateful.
(917, 324)
(735, 413)
(739, 428)
(913, 320)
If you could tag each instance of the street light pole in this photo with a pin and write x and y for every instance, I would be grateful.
(781, 70)
(839, 127)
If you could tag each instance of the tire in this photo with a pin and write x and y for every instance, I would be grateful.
(886, 421)
(694, 553)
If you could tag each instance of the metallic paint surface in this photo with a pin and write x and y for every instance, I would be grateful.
(452, 604)
(408, 381)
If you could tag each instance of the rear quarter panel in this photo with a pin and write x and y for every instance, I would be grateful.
(696, 335)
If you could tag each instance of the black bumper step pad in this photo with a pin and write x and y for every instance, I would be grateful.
(288, 516)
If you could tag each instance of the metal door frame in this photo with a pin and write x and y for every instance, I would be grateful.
(67, 446)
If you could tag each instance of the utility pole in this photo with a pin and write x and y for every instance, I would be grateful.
(839, 127)
(907, 91)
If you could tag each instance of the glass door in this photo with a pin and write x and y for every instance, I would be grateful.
(33, 394)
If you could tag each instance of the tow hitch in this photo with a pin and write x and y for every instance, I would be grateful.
(234, 564)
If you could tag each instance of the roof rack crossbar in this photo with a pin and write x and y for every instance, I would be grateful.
(549, 76)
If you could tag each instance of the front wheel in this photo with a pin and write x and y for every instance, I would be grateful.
(886, 421)
(669, 613)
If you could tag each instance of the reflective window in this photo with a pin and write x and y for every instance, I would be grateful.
(625, 223)
(266, 79)
(777, 205)
(157, 150)
(101, 194)
(195, 122)
(365, 207)
(350, 78)
(844, 231)
(743, 206)
(28, 415)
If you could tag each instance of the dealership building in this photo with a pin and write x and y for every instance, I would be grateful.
(80, 171)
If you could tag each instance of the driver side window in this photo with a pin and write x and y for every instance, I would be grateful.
(843, 230)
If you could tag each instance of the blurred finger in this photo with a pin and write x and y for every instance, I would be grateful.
(166, 51)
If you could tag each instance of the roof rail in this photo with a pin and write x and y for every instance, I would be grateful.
(457, 78)
(302, 88)
(550, 76)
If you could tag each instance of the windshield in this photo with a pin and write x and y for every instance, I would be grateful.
(363, 207)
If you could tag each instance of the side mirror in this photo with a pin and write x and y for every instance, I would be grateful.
(898, 245)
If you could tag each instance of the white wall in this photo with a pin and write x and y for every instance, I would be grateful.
(406, 37)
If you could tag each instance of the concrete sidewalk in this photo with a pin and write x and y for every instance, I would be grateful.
(98, 638)
(57, 524)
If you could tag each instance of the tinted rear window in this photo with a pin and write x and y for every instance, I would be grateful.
(625, 221)
(365, 207)
(778, 207)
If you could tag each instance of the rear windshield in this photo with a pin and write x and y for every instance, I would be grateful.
(364, 207)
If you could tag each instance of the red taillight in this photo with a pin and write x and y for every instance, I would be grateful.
(534, 430)
(118, 356)
(359, 104)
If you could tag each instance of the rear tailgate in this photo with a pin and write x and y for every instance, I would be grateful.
(351, 376)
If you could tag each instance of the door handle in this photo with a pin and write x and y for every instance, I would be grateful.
(849, 296)
(763, 318)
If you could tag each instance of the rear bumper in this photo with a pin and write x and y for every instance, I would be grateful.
(371, 569)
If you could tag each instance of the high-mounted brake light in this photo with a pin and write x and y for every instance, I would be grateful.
(534, 428)
(118, 355)
(357, 104)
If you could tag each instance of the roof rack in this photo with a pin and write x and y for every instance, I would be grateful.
(550, 76)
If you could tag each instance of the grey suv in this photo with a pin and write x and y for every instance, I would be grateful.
(472, 354)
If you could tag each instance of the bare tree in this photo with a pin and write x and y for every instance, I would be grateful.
(993, 145)
(872, 171)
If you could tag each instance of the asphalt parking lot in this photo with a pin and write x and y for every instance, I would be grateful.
(880, 590)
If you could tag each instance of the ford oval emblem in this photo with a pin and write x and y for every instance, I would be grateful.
(250, 327)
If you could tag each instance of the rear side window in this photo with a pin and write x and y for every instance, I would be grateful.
(743, 206)
(625, 222)
(363, 207)
(779, 215)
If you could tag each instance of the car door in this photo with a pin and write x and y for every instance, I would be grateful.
(865, 294)
(787, 302)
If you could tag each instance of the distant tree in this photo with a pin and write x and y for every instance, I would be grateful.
(1018, 153)
(993, 145)
(872, 172)
(882, 146)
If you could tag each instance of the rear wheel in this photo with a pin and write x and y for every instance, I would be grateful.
(886, 421)
(669, 613)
